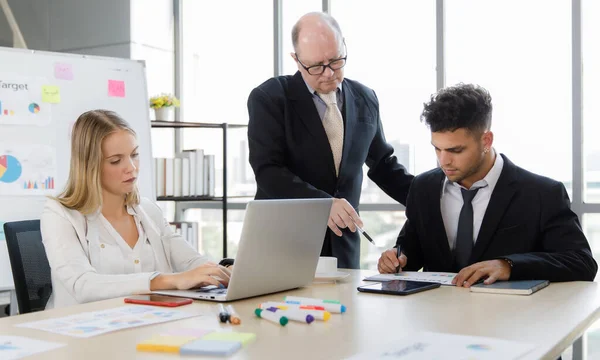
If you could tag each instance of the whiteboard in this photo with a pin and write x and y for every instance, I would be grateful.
(41, 96)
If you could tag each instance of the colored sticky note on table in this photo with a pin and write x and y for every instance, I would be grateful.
(244, 338)
(116, 88)
(164, 343)
(51, 94)
(63, 71)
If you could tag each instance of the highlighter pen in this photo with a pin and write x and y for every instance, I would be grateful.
(332, 308)
(293, 315)
(223, 314)
(281, 305)
(364, 233)
(310, 301)
(271, 316)
(233, 316)
(317, 314)
(398, 253)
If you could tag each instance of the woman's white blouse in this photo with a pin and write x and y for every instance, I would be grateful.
(121, 258)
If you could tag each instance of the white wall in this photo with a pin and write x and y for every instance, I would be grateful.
(136, 29)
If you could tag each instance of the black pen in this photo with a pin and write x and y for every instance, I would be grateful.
(398, 253)
(224, 316)
(364, 233)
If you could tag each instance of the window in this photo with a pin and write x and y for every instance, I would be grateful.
(224, 58)
(521, 52)
(227, 51)
(210, 231)
(383, 227)
(391, 49)
(591, 107)
(591, 228)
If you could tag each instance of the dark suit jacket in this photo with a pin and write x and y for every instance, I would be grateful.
(528, 220)
(291, 156)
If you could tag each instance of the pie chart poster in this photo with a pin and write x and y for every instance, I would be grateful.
(27, 170)
(21, 101)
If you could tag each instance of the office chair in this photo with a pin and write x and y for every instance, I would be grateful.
(29, 264)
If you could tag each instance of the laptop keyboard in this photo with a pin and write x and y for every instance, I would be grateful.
(212, 291)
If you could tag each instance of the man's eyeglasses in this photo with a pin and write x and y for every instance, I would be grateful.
(334, 65)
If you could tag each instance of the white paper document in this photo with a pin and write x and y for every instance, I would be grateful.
(16, 347)
(94, 323)
(438, 346)
(443, 278)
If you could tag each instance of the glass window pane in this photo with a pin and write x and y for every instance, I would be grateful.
(590, 12)
(521, 52)
(224, 58)
(210, 231)
(591, 228)
(391, 49)
(383, 227)
(234, 231)
(291, 11)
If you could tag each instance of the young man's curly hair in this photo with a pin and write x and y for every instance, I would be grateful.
(461, 106)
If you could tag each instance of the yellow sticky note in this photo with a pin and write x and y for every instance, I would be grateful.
(51, 94)
(164, 343)
(244, 338)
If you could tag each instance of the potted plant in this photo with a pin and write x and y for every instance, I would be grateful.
(163, 105)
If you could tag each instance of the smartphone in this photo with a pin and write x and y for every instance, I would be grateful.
(158, 300)
(398, 287)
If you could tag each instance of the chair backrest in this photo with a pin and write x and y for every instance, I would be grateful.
(29, 264)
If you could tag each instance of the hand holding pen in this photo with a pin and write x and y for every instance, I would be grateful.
(341, 216)
(398, 253)
(392, 261)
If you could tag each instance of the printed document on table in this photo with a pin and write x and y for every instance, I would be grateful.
(443, 278)
(438, 346)
(94, 323)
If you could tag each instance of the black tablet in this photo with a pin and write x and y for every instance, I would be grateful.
(398, 287)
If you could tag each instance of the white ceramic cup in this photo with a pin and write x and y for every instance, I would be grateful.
(327, 265)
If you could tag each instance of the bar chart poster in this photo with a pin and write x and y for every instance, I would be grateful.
(21, 101)
(27, 170)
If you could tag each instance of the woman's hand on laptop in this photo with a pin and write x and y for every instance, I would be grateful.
(203, 275)
(343, 215)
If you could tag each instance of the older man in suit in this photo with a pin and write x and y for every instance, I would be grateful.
(310, 134)
(479, 214)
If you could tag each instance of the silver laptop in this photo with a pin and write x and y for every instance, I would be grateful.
(279, 249)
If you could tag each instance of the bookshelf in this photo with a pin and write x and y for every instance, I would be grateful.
(223, 200)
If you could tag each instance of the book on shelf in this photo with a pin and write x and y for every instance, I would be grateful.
(188, 230)
(189, 173)
(209, 175)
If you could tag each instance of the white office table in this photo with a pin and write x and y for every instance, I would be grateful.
(551, 319)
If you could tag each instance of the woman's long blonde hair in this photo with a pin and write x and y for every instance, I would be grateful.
(84, 187)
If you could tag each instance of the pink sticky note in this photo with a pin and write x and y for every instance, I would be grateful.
(116, 88)
(63, 71)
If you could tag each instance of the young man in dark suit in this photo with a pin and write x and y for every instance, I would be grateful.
(479, 214)
(311, 133)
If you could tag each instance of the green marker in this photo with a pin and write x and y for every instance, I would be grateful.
(271, 316)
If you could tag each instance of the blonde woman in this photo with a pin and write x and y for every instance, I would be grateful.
(104, 241)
